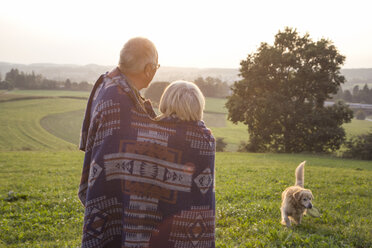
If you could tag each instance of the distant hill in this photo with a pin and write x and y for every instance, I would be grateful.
(60, 72)
(357, 77)
(91, 72)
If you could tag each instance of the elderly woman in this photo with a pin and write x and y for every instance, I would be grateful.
(151, 181)
(189, 221)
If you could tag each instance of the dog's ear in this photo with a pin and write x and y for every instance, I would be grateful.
(311, 193)
(297, 195)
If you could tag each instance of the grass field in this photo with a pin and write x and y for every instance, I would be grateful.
(40, 174)
(215, 105)
(357, 127)
(44, 210)
(66, 126)
(50, 93)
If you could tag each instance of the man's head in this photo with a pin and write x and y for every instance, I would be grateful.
(139, 61)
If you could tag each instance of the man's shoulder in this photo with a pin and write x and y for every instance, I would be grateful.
(111, 92)
(115, 85)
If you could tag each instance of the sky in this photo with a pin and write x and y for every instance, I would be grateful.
(191, 33)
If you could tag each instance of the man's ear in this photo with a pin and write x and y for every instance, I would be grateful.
(148, 70)
(297, 195)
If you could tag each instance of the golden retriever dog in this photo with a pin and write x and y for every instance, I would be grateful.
(295, 199)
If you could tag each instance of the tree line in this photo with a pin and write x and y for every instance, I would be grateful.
(209, 86)
(357, 95)
(31, 81)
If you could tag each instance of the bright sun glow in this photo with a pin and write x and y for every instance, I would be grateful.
(188, 33)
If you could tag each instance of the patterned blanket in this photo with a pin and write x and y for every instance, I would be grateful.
(144, 183)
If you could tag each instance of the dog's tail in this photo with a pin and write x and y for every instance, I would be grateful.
(300, 177)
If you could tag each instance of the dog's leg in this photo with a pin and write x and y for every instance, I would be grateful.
(285, 219)
(299, 219)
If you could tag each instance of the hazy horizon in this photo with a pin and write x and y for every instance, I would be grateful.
(168, 66)
(189, 34)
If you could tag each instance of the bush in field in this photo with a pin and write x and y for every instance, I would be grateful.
(360, 147)
(220, 145)
(250, 146)
(360, 115)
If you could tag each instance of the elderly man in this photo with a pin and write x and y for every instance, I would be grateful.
(105, 127)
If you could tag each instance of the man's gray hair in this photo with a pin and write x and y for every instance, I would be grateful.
(136, 54)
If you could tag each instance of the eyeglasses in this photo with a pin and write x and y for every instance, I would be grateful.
(157, 66)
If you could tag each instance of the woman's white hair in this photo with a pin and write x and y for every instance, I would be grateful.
(183, 99)
(136, 54)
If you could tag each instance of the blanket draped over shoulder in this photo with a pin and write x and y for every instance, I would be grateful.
(144, 183)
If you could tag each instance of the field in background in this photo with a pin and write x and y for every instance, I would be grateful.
(20, 127)
(50, 93)
(66, 126)
(64, 120)
(66, 123)
(357, 127)
(40, 173)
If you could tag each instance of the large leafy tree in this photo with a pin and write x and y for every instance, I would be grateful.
(282, 93)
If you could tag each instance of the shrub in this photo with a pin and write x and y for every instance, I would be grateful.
(220, 145)
(360, 147)
(251, 146)
(243, 146)
(360, 115)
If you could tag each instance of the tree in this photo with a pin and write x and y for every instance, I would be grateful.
(212, 87)
(364, 94)
(68, 84)
(155, 90)
(11, 77)
(356, 94)
(84, 85)
(339, 95)
(347, 96)
(282, 93)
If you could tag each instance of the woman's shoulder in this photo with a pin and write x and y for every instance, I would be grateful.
(206, 131)
(199, 128)
(191, 125)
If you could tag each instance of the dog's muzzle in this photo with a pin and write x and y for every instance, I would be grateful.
(310, 206)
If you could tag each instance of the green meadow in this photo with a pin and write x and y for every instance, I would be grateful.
(41, 167)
